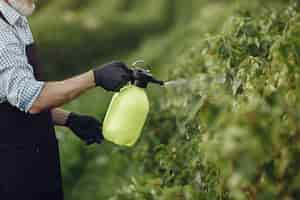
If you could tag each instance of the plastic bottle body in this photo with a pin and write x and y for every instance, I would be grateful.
(126, 116)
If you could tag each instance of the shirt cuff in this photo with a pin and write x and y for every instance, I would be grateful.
(30, 94)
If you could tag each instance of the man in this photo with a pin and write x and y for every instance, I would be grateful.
(29, 166)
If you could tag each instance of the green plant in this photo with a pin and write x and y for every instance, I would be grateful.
(232, 131)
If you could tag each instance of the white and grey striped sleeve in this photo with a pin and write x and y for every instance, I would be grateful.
(17, 83)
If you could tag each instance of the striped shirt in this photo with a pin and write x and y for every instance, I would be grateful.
(17, 83)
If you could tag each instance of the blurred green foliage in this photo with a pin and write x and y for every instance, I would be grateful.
(229, 129)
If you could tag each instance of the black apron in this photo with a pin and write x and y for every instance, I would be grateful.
(29, 157)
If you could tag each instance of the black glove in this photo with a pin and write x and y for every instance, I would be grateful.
(112, 76)
(85, 127)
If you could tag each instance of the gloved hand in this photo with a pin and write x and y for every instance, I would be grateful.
(85, 127)
(112, 76)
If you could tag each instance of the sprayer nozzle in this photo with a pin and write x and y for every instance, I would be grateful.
(157, 81)
(142, 77)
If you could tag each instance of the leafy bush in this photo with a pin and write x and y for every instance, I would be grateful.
(231, 131)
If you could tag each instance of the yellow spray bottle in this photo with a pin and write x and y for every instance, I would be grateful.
(128, 110)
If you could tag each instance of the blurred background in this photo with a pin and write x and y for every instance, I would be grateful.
(177, 39)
